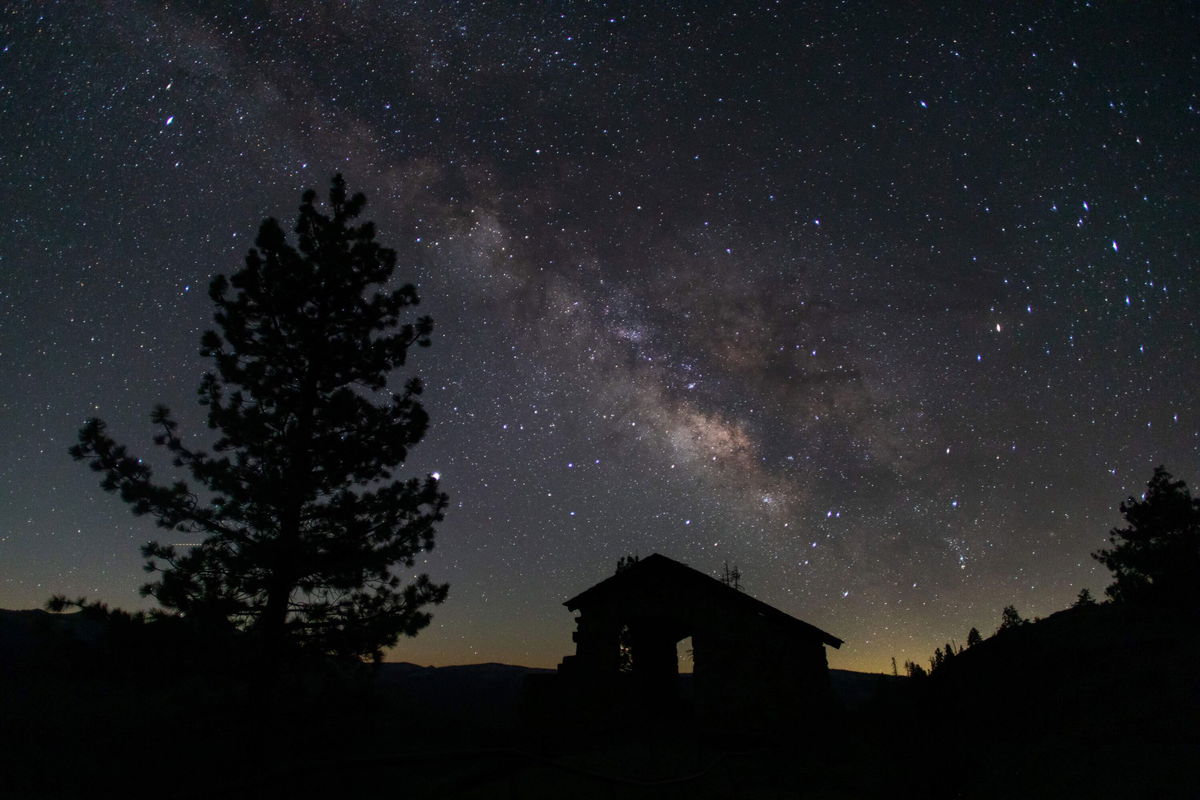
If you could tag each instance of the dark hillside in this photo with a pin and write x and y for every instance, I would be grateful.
(1097, 701)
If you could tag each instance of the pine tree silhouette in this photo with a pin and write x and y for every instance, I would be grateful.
(973, 637)
(1084, 599)
(1156, 556)
(302, 522)
(1010, 618)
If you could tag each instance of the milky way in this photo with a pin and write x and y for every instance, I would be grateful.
(888, 307)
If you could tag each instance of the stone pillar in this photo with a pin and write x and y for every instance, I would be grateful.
(596, 646)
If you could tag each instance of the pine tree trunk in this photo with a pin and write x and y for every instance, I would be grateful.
(293, 494)
(273, 623)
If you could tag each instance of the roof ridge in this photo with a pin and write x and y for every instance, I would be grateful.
(733, 595)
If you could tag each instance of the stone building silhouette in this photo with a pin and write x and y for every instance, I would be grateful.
(751, 661)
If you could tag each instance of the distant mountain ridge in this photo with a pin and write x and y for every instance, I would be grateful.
(488, 684)
(499, 684)
(21, 629)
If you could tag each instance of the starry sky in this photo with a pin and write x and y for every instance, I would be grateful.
(890, 305)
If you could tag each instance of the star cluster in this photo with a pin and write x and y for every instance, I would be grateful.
(889, 306)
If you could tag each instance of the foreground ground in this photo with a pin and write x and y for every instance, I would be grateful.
(1095, 703)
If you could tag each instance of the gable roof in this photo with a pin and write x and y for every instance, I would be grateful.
(658, 568)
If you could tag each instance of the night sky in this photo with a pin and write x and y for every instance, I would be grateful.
(890, 307)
